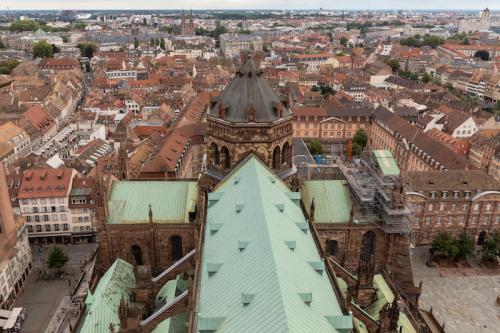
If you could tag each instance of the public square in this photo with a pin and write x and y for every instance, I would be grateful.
(42, 298)
(461, 298)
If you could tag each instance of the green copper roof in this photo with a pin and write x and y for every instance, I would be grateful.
(385, 296)
(274, 283)
(102, 306)
(171, 201)
(332, 203)
(178, 323)
(386, 162)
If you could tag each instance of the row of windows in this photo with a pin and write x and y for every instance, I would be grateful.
(52, 209)
(453, 207)
(450, 220)
(45, 218)
(81, 219)
(48, 227)
(327, 126)
(42, 201)
(327, 134)
(320, 118)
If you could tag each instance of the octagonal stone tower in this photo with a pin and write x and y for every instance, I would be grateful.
(249, 117)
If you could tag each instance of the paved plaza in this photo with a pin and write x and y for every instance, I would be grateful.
(466, 304)
(42, 298)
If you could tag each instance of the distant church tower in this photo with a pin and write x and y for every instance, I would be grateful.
(249, 117)
(187, 25)
(485, 16)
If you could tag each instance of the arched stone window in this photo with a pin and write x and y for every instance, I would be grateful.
(276, 157)
(176, 247)
(331, 247)
(214, 152)
(137, 254)
(225, 158)
(287, 155)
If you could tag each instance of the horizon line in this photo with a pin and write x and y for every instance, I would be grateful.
(259, 9)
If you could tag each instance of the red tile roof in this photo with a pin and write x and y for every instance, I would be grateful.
(45, 183)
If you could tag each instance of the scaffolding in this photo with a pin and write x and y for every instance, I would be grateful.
(376, 194)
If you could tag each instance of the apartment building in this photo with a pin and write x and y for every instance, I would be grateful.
(333, 127)
(483, 146)
(15, 252)
(82, 209)
(44, 203)
(413, 149)
(16, 139)
(452, 201)
(231, 44)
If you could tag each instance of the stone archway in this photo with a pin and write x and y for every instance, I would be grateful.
(277, 157)
(176, 247)
(214, 154)
(225, 158)
(137, 254)
(286, 155)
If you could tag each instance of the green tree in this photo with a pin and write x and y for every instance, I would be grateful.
(136, 43)
(2, 45)
(26, 25)
(394, 64)
(432, 41)
(426, 78)
(162, 44)
(57, 258)
(356, 149)
(410, 41)
(483, 55)
(87, 49)
(6, 67)
(465, 41)
(79, 25)
(465, 246)
(326, 90)
(315, 147)
(42, 49)
(446, 245)
(152, 42)
(491, 247)
(360, 138)
(343, 41)
(55, 49)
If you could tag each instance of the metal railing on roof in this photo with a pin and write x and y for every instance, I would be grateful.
(174, 266)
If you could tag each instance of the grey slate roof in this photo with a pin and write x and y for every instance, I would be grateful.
(249, 89)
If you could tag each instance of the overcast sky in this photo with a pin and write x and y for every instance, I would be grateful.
(245, 4)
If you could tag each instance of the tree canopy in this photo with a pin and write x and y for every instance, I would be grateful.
(6, 67)
(445, 244)
(315, 147)
(87, 49)
(426, 40)
(483, 55)
(57, 258)
(360, 138)
(42, 49)
(491, 247)
(394, 64)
